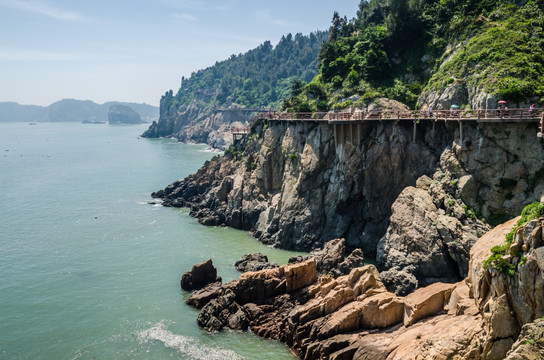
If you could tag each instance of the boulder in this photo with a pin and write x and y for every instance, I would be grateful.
(330, 256)
(381, 310)
(426, 302)
(400, 281)
(430, 235)
(299, 275)
(201, 297)
(298, 258)
(354, 260)
(258, 286)
(254, 262)
(222, 312)
(413, 241)
(502, 323)
(201, 274)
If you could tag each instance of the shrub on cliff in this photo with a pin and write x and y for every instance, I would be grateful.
(497, 258)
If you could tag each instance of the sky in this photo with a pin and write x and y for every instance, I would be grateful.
(135, 51)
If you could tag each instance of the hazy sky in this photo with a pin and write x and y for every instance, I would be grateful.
(136, 50)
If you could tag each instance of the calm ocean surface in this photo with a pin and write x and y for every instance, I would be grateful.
(89, 269)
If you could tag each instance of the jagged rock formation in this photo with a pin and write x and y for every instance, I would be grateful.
(434, 225)
(332, 260)
(485, 316)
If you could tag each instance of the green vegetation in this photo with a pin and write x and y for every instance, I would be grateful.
(392, 48)
(233, 153)
(505, 57)
(497, 260)
(471, 213)
(399, 48)
(262, 77)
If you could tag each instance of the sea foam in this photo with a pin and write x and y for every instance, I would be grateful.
(186, 345)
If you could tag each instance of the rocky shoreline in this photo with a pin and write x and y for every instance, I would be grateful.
(488, 315)
(419, 207)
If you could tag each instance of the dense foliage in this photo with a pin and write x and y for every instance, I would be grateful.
(262, 77)
(395, 48)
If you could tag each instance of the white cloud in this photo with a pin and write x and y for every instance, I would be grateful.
(41, 7)
(184, 17)
(34, 55)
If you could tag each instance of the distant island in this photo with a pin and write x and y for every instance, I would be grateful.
(122, 114)
(71, 110)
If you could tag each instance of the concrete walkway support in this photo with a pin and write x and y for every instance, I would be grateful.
(344, 133)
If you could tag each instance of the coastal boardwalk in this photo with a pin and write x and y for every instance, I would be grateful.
(348, 125)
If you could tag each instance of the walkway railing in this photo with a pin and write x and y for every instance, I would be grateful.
(464, 114)
(242, 109)
(239, 131)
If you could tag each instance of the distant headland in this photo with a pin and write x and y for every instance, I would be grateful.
(71, 110)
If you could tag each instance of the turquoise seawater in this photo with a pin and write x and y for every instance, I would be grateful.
(88, 268)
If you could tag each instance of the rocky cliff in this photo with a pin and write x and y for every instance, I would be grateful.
(197, 123)
(488, 315)
(418, 206)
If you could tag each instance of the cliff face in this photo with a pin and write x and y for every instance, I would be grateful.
(197, 123)
(493, 174)
(292, 187)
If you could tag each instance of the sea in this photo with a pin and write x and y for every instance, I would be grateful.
(89, 267)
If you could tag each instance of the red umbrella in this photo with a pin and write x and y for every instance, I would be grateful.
(502, 102)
